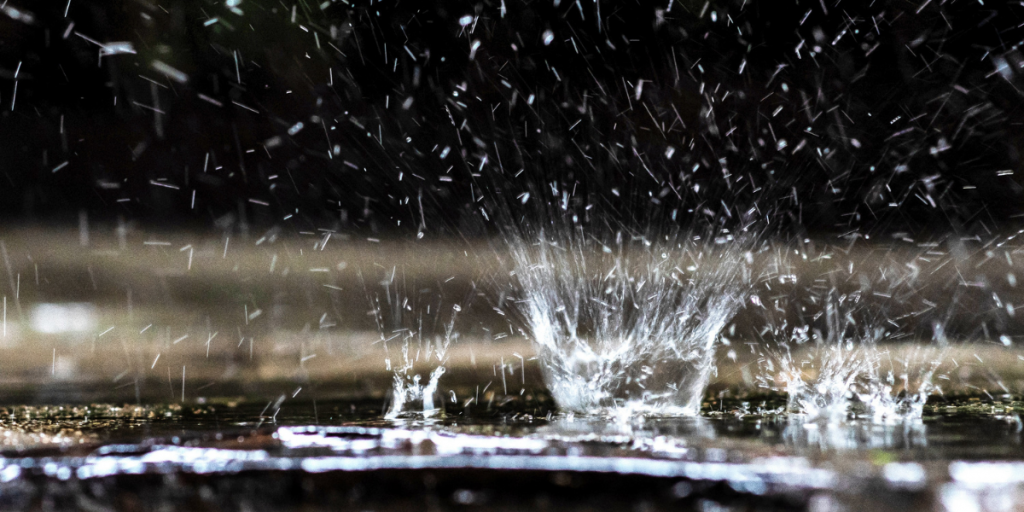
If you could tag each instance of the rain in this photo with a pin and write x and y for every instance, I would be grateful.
(728, 252)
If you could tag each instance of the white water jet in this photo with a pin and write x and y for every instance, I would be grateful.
(401, 323)
(408, 392)
(844, 368)
(409, 395)
(829, 383)
(899, 386)
(630, 326)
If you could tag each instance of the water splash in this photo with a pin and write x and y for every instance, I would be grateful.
(410, 396)
(820, 385)
(408, 392)
(400, 322)
(869, 381)
(837, 365)
(899, 387)
(627, 326)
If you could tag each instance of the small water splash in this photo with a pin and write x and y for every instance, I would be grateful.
(899, 387)
(627, 326)
(400, 322)
(410, 396)
(838, 365)
(869, 381)
(408, 391)
(820, 385)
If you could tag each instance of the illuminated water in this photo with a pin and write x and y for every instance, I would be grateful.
(713, 255)
(724, 457)
(630, 326)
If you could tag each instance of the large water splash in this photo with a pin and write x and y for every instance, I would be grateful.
(628, 326)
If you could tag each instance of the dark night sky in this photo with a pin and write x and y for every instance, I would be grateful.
(821, 117)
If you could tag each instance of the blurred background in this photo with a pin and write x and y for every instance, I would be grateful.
(247, 191)
(397, 117)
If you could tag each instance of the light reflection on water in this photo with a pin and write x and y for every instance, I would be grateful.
(678, 449)
(946, 457)
(854, 435)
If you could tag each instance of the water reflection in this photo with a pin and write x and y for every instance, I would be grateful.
(853, 435)
(793, 432)
(626, 430)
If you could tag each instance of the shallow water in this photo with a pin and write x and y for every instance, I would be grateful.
(341, 454)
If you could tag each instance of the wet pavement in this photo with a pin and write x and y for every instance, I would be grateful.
(739, 455)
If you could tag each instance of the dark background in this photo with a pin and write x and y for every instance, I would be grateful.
(898, 117)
